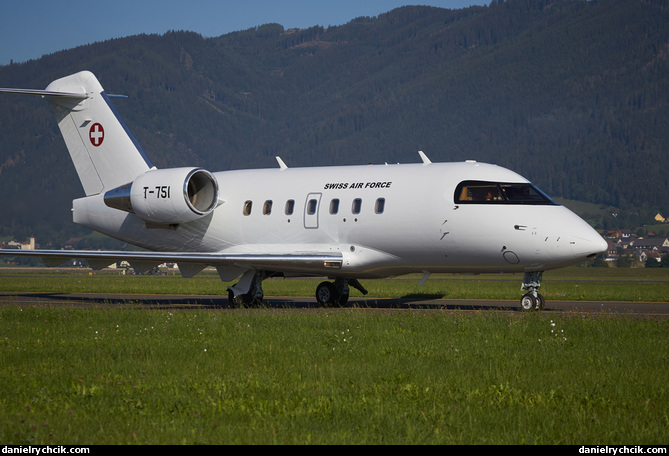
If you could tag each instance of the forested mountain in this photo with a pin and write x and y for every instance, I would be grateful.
(572, 94)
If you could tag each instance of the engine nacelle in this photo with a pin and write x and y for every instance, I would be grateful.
(167, 196)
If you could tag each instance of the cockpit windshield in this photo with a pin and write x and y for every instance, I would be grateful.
(480, 192)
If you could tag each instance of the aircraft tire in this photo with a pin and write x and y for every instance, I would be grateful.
(326, 293)
(243, 300)
(528, 302)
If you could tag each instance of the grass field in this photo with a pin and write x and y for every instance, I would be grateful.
(578, 283)
(72, 375)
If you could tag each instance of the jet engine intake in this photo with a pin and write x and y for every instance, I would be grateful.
(167, 196)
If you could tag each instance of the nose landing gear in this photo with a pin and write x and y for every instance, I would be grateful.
(532, 299)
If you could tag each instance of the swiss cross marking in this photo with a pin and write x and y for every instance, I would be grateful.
(96, 134)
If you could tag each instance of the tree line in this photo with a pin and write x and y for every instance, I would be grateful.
(572, 94)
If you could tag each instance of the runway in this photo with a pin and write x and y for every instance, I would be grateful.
(155, 301)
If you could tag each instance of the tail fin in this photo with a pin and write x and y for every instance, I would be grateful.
(104, 151)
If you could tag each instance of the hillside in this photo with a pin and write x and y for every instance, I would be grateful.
(572, 94)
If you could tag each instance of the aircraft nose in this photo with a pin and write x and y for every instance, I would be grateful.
(586, 242)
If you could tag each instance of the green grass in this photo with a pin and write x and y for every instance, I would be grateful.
(132, 375)
(329, 376)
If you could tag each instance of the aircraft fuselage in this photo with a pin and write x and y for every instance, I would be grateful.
(384, 219)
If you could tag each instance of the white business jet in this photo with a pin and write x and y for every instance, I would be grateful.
(342, 222)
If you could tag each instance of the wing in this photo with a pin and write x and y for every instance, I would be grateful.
(229, 266)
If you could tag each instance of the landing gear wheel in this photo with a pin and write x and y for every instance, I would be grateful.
(236, 301)
(329, 294)
(528, 302)
(326, 293)
(248, 291)
(243, 300)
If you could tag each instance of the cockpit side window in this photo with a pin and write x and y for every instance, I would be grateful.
(478, 192)
(481, 192)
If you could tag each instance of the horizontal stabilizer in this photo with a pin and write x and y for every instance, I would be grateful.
(44, 93)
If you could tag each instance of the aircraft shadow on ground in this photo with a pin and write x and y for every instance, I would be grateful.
(421, 301)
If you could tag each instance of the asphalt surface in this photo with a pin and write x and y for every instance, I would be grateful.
(640, 309)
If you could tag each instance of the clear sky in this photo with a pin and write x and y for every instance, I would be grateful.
(32, 28)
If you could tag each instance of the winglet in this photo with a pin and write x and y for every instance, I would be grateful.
(282, 165)
(423, 157)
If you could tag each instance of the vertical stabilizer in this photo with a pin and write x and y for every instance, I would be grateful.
(103, 150)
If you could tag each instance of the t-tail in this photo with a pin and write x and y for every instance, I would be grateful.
(111, 163)
(103, 150)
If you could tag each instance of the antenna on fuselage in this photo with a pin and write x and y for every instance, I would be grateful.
(426, 161)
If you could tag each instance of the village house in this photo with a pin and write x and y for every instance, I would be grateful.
(641, 248)
(658, 244)
(29, 245)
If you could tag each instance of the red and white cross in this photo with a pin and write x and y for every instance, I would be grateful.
(96, 134)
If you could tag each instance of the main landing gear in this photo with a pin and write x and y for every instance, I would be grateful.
(248, 291)
(532, 299)
(336, 293)
(252, 283)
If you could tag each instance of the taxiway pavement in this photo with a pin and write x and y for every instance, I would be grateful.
(655, 309)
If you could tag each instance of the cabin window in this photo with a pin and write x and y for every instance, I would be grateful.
(334, 206)
(248, 205)
(290, 207)
(267, 207)
(480, 192)
(312, 205)
(357, 206)
(380, 205)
